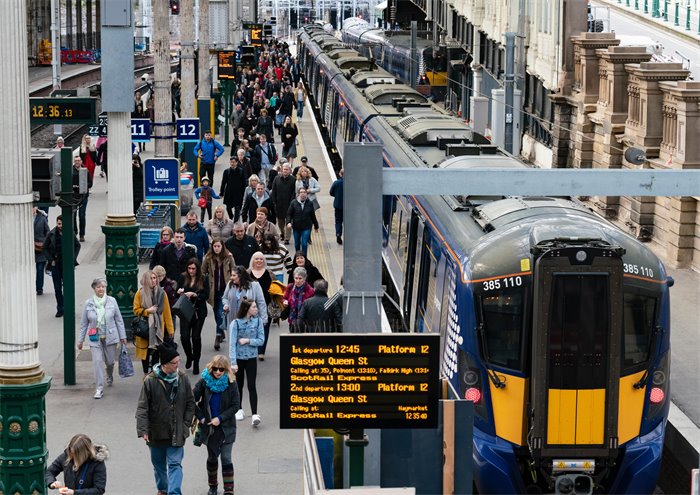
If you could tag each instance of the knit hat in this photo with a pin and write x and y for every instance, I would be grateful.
(167, 353)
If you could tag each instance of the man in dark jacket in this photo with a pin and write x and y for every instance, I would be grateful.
(196, 234)
(305, 163)
(299, 219)
(241, 245)
(257, 199)
(317, 315)
(176, 255)
(282, 195)
(163, 417)
(337, 193)
(53, 252)
(265, 155)
(233, 184)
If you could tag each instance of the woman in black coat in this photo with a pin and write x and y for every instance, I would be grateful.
(289, 139)
(83, 467)
(312, 273)
(137, 181)
(265, 126)
(195, 286)
(217, 399)
(233, 183)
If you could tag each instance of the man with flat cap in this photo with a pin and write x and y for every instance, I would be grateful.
(163, 418)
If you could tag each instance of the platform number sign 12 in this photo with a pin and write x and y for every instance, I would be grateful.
(187, 130)
(140, 130)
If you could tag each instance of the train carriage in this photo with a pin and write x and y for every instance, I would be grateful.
(552, 321)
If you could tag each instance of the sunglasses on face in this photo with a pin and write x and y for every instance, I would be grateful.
(215, 368)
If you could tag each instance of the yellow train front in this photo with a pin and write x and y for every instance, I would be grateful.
(564, 351)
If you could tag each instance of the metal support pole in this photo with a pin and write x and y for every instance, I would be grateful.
(68, 253)
(509, 89)
(414, 54)
(226, 93)
(357, 441)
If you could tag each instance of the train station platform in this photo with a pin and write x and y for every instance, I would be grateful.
(266, 459)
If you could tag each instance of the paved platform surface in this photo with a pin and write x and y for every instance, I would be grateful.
(267, 460)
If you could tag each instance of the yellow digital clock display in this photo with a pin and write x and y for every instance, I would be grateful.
(62, 110)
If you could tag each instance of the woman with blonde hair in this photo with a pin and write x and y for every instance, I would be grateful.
(217, 266)
(150, 302)
(166, 237)
(217, 400)
(88, 154)
(83, 467)
(220, 226)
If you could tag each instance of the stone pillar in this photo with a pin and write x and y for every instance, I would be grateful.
(120, 228)
(611, 113)
(22, 381)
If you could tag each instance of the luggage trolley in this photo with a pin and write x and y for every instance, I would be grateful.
(152, 217)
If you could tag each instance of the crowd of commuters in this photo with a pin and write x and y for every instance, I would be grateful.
(237, 263)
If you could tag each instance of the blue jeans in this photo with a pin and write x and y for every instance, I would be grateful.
(301, 240)
(219, 312)
(167, 468)
(300, 109)
(40, 267)
(57, 276)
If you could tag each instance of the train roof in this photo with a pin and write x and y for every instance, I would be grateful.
(365, 78)
(342, 52)
(383, 94)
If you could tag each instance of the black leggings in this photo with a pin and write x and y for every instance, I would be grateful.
(266, 327)
(204, 210)
(152, 357)
(191, 337)
(248, 367)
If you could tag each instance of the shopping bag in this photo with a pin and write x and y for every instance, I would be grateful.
(184, 308)
(126, 367)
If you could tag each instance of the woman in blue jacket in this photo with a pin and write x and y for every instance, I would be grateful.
(247, 334)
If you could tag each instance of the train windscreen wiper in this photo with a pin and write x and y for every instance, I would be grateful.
(654, 342)
(493, 376)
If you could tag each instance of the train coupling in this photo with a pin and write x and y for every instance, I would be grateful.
(572, 476)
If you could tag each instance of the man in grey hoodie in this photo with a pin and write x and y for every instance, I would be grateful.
(41, 230)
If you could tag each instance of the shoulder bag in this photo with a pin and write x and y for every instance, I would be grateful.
(184, 308)
(139, 327)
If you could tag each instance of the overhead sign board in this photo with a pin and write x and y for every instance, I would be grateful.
(161, 179)
(62, 110)
(256, 36)
(252, 25)
(226, 64)
(140, 130)
(359, 381)
(187, 130)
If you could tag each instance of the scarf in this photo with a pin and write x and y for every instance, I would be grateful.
(260, 230)
(298, 301)
(213, 384)
(100, 309)
(305, 182)
(219, 223)
(155, 320)
(170, 378)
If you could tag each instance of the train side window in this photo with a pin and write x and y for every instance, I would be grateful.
(502, 316)
(638, 320)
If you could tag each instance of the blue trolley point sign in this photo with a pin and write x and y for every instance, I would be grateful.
(161, 181)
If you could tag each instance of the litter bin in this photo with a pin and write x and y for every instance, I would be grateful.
(186, 192)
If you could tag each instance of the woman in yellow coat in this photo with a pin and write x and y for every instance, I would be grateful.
(151, 302)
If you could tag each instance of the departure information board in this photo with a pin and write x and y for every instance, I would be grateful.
(359, 380)
(226, 67)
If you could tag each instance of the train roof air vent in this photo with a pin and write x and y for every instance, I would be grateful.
(383, 94)
(367, 78)
(423, 129)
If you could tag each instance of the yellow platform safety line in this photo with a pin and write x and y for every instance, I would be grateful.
(629, 411)
(509, 408)
(318, 250)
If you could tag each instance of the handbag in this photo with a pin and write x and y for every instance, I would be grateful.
(38, 246)
(93, 335)
(140, 327)
(183, 308)
(202, 203)
(126, 367)
(315, 204)
(274, 310)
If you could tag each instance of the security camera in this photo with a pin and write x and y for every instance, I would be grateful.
(145, 77)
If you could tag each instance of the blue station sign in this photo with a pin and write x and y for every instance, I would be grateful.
(140, 130)
(161, 179)
(187, 130)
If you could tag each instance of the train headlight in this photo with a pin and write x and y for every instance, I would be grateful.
(471, 378)
(659, 377)
(581, 256)
(473, 394)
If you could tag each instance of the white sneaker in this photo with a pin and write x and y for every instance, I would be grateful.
(98, 394)
(256, 420)
(240, 415)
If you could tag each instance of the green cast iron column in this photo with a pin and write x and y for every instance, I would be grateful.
(23, 437)
(121, 263)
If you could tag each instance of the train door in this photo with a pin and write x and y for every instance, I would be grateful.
(429, 293)
(577, 325)
(415, 241)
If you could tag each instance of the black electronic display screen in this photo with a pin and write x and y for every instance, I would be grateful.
(226, 64)
(359, 380)
(62, 110)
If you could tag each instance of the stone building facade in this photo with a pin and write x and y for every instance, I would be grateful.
(620, 102)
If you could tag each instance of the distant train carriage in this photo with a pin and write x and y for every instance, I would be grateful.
(552, 321)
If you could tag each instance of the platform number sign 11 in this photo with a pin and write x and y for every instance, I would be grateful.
(187, 130)
(140, 130)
